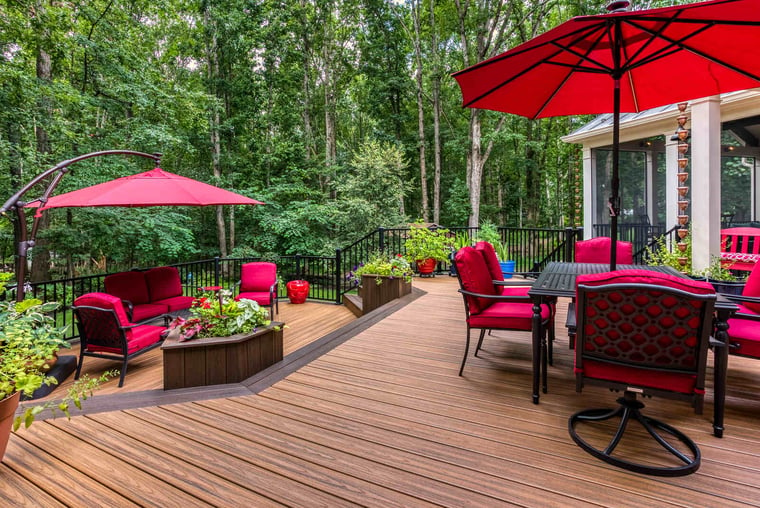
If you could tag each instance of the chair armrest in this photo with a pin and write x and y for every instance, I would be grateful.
(516, 283)
(506, 298)
(129, 307)
(740, 298)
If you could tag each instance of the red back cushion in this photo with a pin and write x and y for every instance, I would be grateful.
(491, 259)
(128, 286)
(100, 328)
(257, 276)
(597, 250)
(163, 282)
(474, 276)
(752, 288)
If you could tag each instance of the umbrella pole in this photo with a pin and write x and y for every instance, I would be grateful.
(614, 204)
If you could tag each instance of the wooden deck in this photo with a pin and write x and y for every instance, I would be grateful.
(375, 415)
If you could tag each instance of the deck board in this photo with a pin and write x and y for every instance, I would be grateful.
(378, 416)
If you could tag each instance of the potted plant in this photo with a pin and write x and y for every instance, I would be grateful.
(723, 279)
(381, 279)
(426, 246)
(503, 253)
(29, 343)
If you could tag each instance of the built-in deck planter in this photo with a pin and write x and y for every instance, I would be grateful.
(374, 295)
(220, 360)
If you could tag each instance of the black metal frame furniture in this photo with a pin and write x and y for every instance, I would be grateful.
(106, 332)
(259, 282)
(485, 307)
(643, 334)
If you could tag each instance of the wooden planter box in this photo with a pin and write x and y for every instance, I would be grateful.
(374, 295)
(220, 360)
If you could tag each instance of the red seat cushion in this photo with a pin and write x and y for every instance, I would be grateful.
(752, 289)
(683, 383)
(597, 250)
(260, 297)
(745, 334)
(128, 286)
(163, 282)
(507, 315)
(474, 277)
(138, 338)
(148, 310)
(176, 303)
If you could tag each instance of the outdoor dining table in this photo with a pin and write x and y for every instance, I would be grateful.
(558, 279)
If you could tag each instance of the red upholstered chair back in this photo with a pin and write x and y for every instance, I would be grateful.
(128, 286)
(491, 259)
(597, 250)
(99, 316)
(645, 320)
(258, 276)
(752, 289)
(163, 282)
(474, 276)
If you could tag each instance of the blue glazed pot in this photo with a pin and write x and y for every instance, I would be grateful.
(507, 268)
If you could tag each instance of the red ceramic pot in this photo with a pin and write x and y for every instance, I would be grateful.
(298, 290)
(426, 267)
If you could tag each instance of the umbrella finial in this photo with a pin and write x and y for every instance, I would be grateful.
(618, 6)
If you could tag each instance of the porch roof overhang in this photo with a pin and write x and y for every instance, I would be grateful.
(654, 122)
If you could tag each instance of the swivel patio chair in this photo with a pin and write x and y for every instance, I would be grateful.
(642, 333)
(258, 282)
(595, 250)
(106, 332)
(485, 307)
(514, 288)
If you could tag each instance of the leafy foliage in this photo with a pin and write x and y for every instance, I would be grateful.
(383, 265)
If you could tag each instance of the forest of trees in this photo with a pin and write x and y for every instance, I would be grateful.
(341, 115)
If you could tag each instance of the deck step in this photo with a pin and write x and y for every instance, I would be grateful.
(354, 304)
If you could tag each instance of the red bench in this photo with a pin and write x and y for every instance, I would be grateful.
(740, 248)
(150, 293)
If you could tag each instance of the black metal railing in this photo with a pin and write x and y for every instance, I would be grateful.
(530, 248)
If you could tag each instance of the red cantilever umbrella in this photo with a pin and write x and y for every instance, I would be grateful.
(624, 61)
(151, 188)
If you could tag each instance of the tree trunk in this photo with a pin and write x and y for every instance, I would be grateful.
(436, 118)
(416, 7)
(216, 146)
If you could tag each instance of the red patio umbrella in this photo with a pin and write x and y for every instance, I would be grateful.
(623, 61)
(151, 188)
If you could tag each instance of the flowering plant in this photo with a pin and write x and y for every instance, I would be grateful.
(382, 265)
(219, 315)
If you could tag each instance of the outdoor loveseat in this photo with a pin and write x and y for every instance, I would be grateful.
(149, 293)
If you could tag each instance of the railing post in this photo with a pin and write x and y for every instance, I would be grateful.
(381, 232)
(298, 266)
(569, 243)
(217, 269)
(338, 277)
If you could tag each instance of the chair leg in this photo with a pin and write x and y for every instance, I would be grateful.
(630, 409)
(79, 365)
(123, 373)
(466, 350)
(480, 341)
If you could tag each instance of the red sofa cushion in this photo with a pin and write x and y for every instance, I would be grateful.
(163, 282)
(176, 303)
(474, 275)
(752, 289)
(597, 250)
(148, 310)
(128, 286)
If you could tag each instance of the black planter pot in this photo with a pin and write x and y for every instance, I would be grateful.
(729, 288)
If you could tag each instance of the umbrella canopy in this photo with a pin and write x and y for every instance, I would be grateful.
(622, 62)
(151, 188)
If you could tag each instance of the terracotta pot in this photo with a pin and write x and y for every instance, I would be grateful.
(426, 267)
(8, 408)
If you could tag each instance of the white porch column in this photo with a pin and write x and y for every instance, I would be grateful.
(589, 205)
(704, 192)
(671, 180)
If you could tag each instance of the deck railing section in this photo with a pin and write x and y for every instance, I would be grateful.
(531, 249)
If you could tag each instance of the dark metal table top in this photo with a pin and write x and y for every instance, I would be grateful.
(558, 279)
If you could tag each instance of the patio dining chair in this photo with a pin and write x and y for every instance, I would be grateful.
(105, 331)
(642, 333)
(514, 288)
(485, 307)
(258, 282)
(744, 326)
(595, 250)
